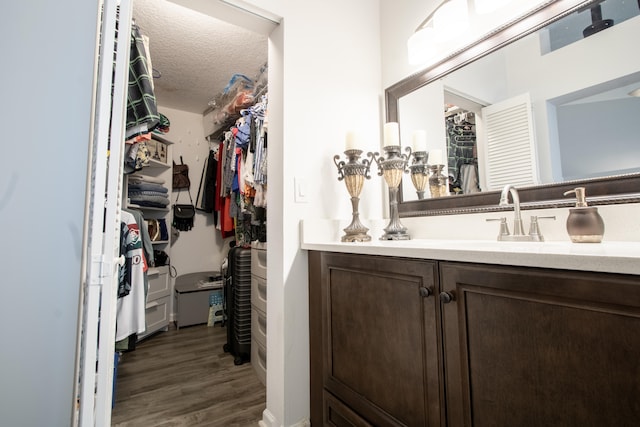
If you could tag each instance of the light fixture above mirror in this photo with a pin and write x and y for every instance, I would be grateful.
(487, 6)
(454, 22)
(451, 20)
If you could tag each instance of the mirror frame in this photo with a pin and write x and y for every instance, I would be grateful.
(600, 191)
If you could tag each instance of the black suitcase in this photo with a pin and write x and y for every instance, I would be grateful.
(237, 297)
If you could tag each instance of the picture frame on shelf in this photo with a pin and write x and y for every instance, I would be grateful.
(157, 150)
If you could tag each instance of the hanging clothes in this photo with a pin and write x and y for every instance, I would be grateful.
(242, 176)
(130, 307)
(223, 185)
(469, 178)
(461, 150)
(142, 110)
(206, 202)
(147, 245)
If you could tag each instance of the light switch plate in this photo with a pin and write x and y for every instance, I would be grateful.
(301, 190)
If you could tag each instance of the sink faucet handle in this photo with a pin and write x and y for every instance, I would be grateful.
(504, 228)
(534, 229)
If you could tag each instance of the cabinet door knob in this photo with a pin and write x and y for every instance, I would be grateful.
(446, 297)
(424, 292)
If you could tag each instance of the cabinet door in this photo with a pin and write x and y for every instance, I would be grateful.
(379, 334)
(534, 347)
(337, 414)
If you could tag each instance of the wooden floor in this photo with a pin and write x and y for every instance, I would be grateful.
(184, 378)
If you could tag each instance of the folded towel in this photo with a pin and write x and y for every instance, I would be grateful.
(133, 193)
(159, 200)
(147, 204)
(143, 186)
(144, 178)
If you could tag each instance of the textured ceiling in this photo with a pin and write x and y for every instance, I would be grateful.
(196, 55)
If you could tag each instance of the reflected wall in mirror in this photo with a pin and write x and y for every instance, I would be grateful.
(536, 104)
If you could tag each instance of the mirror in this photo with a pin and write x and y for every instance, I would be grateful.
(575, 90)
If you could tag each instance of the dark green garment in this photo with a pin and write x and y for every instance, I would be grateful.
(142, 110)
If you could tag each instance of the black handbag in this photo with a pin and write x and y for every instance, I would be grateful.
(183, 215)
(160, 258)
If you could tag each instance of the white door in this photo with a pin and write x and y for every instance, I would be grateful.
(102, 220)
(510, 150)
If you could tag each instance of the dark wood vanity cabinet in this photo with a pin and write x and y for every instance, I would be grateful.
(537, 347)
(405, 342)
(374, 341)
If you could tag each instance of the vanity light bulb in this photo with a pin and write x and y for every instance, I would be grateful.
(451, 20)
(421, 46)
(488, 6)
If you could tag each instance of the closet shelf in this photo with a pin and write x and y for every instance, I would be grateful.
(147, 208)
(161, 139)
(156, 164)
(153, 271)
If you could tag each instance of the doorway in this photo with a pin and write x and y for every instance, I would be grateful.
(177, 84)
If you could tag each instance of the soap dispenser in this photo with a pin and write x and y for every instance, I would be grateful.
(584, 224)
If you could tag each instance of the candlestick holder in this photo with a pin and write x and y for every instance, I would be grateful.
(392, 169)
(419, 171)
(437, 181)
(354, 173)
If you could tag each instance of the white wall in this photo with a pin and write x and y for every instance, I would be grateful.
(416, 110)
(201, 248)
(324, 79)
(46, 83)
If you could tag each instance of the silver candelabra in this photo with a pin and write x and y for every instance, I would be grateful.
(354, 173)
(419, 171)
(392, 169)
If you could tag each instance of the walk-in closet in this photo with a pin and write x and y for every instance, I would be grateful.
(192, 296)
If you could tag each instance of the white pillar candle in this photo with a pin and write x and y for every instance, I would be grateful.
(391, 134)
(419, 140)
(435, 157)
(352, 141)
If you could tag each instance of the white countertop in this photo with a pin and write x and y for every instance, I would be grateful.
(610, 257)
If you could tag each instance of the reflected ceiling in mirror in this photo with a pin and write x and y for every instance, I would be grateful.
(575, 93)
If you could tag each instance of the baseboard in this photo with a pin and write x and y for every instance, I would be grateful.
(268, 420)
(306, 422)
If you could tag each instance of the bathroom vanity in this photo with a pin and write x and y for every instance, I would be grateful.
(401, 335)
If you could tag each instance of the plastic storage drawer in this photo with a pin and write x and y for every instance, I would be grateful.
(259, 262)
(259, 326)
(259, 360)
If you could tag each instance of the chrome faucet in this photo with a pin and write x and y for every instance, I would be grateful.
(518, 230)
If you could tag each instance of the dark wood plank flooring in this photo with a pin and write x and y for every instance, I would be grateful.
(185, 379)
